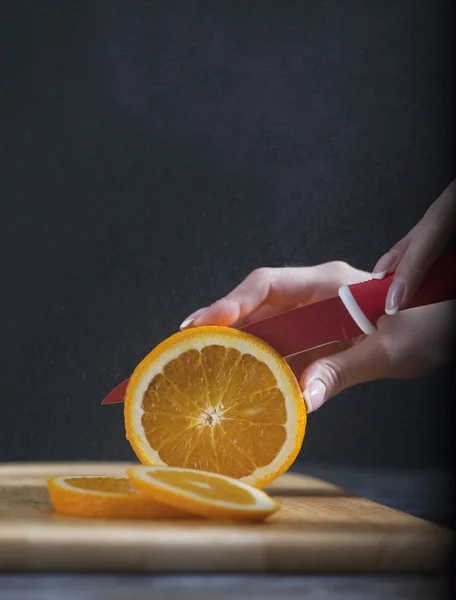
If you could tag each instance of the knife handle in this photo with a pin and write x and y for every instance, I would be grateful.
(366, 301)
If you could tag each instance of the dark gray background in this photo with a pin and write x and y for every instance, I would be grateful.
(154, 153)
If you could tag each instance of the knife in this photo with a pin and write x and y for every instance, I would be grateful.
(353, 312)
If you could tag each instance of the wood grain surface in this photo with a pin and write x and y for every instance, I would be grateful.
(320, 528)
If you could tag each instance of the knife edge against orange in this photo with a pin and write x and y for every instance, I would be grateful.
(353, 312)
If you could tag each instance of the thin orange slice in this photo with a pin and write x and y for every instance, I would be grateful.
(219, 400)
(205, 494)
(105, 497)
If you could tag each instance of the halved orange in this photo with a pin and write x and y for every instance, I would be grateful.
(216, 399)
(106, 497)
(205, 494)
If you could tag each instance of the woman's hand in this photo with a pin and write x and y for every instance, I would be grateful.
(412, 256)
(410, 344)
(269, 291)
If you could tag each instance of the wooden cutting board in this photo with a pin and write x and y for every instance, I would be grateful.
(320, 528)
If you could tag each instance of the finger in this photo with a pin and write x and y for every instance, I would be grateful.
(410, 272)
(276, 287)
(389, 261)
(281, 288)
(386, 264)
(425, 242)
(326, 377)
(189, 320)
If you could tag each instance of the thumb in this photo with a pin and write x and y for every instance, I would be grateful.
(326, 377)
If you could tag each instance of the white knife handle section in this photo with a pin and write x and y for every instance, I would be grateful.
(355, 311)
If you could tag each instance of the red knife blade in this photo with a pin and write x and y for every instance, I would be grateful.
(117, 395)
(353, 312)
(307, 327)
(291, 332)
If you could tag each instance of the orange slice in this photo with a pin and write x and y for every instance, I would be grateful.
(205, 494)
(106, 497)
(219, 400)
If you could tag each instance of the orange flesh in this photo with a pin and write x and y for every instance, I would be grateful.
(204, 485)
(198, 411)
(106, 497)
(102, 484)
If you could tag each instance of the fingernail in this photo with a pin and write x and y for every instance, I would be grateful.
(384, 264)
(314, 394)
(189, 320)
(394, 297)
(186, 323)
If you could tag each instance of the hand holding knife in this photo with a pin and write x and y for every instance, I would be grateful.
(353, 312)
